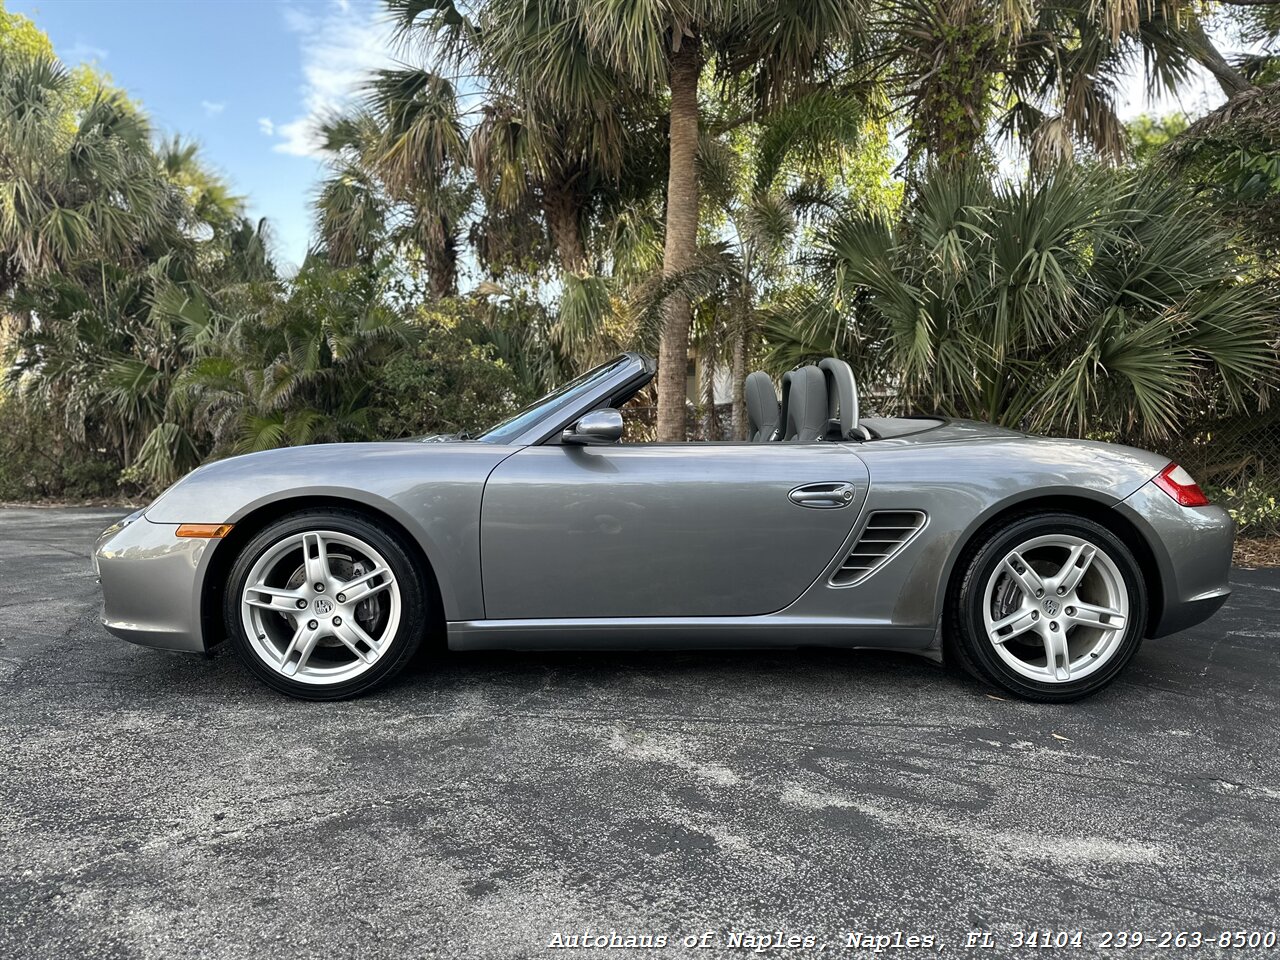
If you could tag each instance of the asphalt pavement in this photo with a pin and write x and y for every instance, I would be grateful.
(161, 805)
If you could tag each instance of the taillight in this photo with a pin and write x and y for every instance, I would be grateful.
(1178, 484)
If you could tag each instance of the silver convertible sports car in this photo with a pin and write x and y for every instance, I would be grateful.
(1038, 565)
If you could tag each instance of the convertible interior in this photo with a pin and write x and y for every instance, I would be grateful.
(818, 402)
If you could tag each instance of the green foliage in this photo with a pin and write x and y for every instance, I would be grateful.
(1149, 135)
(121, 262)
(34, 466)
(294, 370)
(21, 38)
(952, 55)
(446, 384)
(1232, 156)
(1081, 300)
(1254, 505)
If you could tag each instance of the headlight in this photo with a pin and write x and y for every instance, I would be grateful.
(125, 521)
(116, 527)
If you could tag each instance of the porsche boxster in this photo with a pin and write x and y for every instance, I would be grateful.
(1036, 564)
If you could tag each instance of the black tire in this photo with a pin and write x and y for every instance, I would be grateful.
(966, 639)
(399, 649)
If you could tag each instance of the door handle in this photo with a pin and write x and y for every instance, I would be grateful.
(824, 496)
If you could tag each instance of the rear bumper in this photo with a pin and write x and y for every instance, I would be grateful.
(1188, 613)
(150, 579)
(1192, 548)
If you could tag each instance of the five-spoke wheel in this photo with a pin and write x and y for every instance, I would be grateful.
(1050, 607)
(325, 605)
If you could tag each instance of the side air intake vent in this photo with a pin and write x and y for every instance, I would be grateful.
(886, 532)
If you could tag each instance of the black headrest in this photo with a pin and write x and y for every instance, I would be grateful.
(842, 398)
(762, 407)
(804, 405)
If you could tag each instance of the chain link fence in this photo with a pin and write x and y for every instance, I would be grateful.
(1229, 453)
(1237, 462)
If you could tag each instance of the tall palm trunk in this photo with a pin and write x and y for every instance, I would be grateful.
(442, 267)
(560, 207)
(707, 364)
(681, 240)
(740, 380)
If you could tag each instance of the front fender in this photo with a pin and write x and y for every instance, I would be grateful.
(433, 491)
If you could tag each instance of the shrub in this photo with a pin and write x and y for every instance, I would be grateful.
(1254, 505)
(1076, 302)
(39, 462)
(444, 384)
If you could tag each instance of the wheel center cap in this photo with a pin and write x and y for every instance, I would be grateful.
(1050, 607)
(323, 605)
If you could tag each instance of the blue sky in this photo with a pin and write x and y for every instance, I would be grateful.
(244, 78)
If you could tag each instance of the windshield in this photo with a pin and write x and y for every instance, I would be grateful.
(564, 398)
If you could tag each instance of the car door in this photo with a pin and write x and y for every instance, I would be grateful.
(663, 530)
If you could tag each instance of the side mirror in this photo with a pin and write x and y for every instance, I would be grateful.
(596, 428)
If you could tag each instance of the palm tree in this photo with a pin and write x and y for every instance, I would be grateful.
(79, 180)
(584, 56)
(397, 182)
(1049, 72)
(111, 250)
(296, 370)
(776, 50)
(530, 151)
(1083, 300)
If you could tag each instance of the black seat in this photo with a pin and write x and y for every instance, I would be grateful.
(804, 405)
(762, 407)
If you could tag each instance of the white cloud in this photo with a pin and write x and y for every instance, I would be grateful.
(340, 44)
(212, 109)
(80, 52)
(266, 126)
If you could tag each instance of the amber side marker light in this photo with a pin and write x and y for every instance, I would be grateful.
(207, 531)
(1178, 484)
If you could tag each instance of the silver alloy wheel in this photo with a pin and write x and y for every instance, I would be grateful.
(1055, 609)
(320, 607)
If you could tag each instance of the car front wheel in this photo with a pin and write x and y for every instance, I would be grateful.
(1050, 607)
(325, 605)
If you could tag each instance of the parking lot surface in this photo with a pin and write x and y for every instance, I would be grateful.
(160, 805)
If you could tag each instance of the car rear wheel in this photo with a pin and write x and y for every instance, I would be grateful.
(1049, 607)
(325, 605)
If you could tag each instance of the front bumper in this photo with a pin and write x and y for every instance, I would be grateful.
(150, 583)
(1192, 551)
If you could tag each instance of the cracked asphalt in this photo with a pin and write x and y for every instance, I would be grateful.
(159, 805)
